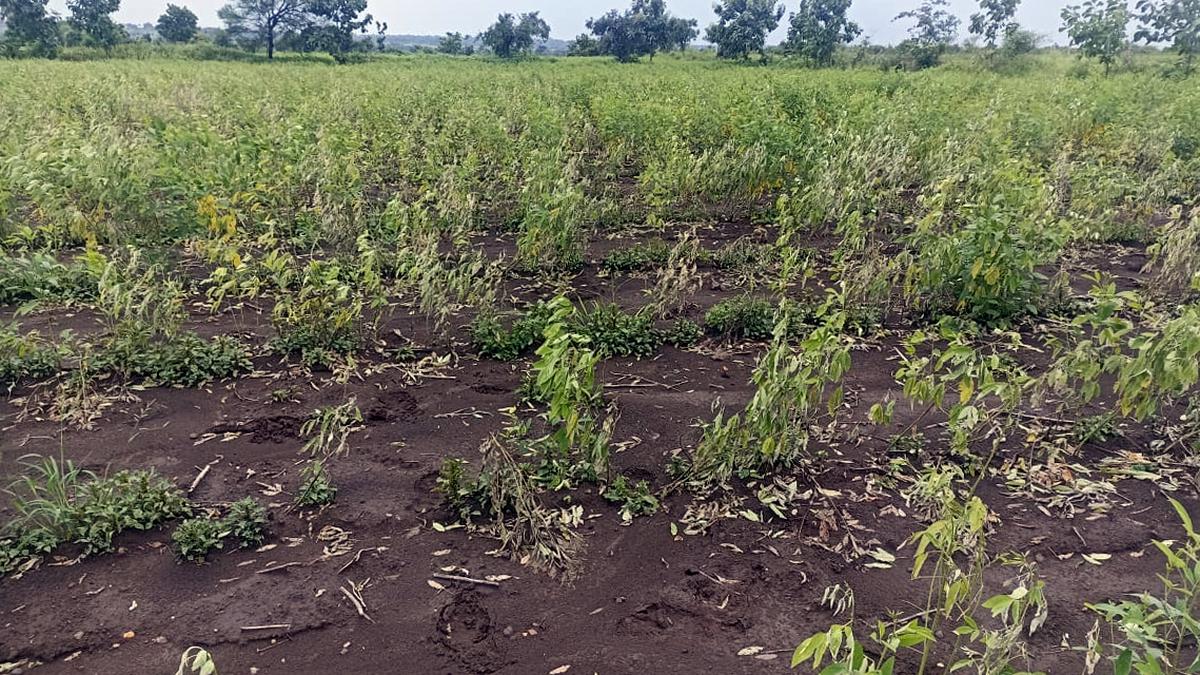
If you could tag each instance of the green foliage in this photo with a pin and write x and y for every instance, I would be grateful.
(644, 29)
(742, 27)
(92, 19)
(612, 332)
(196, 660)
(994, 20)
(187, 361)
(28, 28)
(468, 499)
(1097, 29)
(27, 357)
(683, 333)
(933, 30)
(817, 28)
(320, 321)
(744, 317)
(492, 340)
(1156, 628)
(177, 24)
(316, 488)
(639, 257)
(195, 538)
(41, 277)
(246, 521)
(635, 499)
(1173, 21)
(56, 503)
(515, 36)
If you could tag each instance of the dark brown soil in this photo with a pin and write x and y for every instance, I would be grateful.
(646, 602)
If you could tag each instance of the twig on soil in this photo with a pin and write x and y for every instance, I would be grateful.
(353, 591)
(269, 626)
(276, 568)
(469, 580)
(358, 555)
(203, 472)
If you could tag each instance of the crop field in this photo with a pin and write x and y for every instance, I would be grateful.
(427, 365)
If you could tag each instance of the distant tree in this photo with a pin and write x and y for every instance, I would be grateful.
(931, 34)
(584, 45)
(177, 24)
(381, 29)
(333, 24)
(1173, 21)
(742, 27)
(994, 20)
(93, 21)
(1097, 29)
(452, 43)
(512, 36)
(28, 25)
(818, 27)
(264, 21)
(643, 30)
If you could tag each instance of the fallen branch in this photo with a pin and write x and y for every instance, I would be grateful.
(203, 472)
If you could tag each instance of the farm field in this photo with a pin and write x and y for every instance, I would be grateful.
(428, 365)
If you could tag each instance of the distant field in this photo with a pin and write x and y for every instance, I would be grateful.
(653, 368)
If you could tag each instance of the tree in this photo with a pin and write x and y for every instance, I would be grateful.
(932, 33)
(742, 27)
(28, 25)
(264, 20)
(177, 24)
(333, 25)
(584, 45)
(1173, 21)
(994, 20)
(1097, 29)
(91, 18)
(512, 36)
(452, 43)
(643, 30)
(818, 27)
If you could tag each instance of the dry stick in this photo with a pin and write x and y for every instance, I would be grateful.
(276, 568)
(355, 558)
(203, 472)
(270, 626)
(356, 599)
(469, 580)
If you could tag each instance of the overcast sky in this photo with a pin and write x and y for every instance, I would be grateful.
(567, 17)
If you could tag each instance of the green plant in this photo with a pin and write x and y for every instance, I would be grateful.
(612, 332)
(1155, 631)
(639, 257)
(320, 321)
(196, 660)
(329, 429)
(744, 317)
(246, 520)
(492, 340)
(195, 538)
(635, 499)
(468, 499)
(316, 488)
(186, 361)
(27, 356)
(683, 333)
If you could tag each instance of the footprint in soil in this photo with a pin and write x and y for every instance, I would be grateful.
(466, 632)
(394, 406)
(277, 429)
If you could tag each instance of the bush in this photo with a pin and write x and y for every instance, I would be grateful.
(195, 537)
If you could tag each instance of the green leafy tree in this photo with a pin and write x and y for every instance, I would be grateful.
(513, 36)
(1097, 29)
(742, 27)
(28, 24)
(452, 43)
(934, 29)
(333, 25)
(93, 21)
(1171, 21)
(584, 45)
(994, 20)
(643, 30)
(818, 27)
(177, 24)
(263, 21)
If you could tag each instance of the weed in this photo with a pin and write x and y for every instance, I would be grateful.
(195, 538)
(635, 499)
(329, 430)
(683, 333)
(246, 521)
(640, 257)
(316, 489)
(744, 317)
(492, 340)
(27, 357)
(196, 660)
(612, 332)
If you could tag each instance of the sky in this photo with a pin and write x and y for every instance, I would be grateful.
(567, 17)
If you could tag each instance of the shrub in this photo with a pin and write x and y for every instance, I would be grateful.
(195, 537)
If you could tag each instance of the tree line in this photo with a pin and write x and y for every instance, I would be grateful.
(816, 29)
